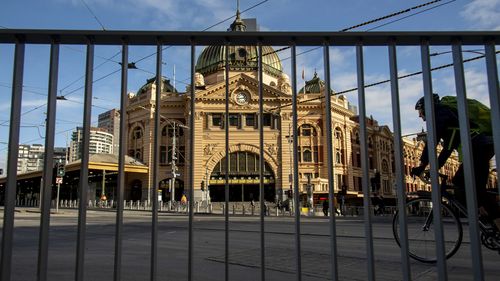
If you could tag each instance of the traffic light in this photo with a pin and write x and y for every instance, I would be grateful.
(60, 170)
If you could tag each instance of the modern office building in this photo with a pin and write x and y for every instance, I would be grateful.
(31, 157)
(100, 142)
(110, 121)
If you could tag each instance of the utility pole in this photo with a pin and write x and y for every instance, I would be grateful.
(173, 165)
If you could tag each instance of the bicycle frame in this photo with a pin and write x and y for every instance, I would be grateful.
(455, 205)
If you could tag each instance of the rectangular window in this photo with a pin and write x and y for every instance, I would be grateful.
(233, 162)
(250, 120)
(217, 120)
(242, 164)
(267, 119)
(234, 120)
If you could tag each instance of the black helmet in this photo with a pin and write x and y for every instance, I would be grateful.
(421, 102)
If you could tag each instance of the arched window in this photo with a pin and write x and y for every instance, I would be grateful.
(385, 166)
(338, 133)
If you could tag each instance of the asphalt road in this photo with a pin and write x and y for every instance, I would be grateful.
(209, 248)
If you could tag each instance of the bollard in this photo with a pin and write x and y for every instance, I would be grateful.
(197, 204)
(223, 209)
(243, 210)
(234, 210)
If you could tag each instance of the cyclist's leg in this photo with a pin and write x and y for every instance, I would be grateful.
(482, 157)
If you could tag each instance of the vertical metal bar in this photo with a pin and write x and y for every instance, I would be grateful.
(364, 162)
(10, 189)
(121, 165)
(191, 167)
(431, 149)
(263, 209)
(467, 153)
(329, 157)
(48, 164)
(156, 158)
(226, 172)
(84, 169)
(399, 162)
(492, 71)
(296, 164)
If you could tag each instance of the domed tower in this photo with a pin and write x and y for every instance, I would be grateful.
(212, 59)
(313, 86)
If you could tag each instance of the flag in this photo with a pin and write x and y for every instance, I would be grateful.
(303, 74)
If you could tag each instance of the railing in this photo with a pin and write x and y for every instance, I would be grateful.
(391, 40)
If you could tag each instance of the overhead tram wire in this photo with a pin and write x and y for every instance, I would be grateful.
(382, 82)
(396, 14)
(373, 21)
(416, 13)
(93, 14)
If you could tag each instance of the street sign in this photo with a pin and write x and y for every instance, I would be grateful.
(59, 180)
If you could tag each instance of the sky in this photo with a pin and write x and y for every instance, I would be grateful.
(217, 15)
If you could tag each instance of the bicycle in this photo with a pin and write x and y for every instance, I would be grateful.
(421, 239)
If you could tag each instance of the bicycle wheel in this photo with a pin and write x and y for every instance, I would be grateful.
(421, 239)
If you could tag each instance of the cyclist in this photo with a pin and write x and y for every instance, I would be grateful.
(446, 126)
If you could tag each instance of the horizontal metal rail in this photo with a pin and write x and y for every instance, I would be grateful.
(248, 38)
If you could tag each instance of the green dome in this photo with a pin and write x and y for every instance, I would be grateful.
(315, 85)
(165, 87)
(241, 58)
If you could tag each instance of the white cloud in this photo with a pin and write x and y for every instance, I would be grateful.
(484, 14)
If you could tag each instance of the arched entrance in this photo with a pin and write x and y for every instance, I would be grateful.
(165, 187)
(243, 179)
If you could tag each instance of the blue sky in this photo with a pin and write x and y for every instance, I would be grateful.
(196, 15)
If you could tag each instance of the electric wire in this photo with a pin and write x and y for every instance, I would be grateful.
(373, 21)
(95, 17)
(380, 82)
(411, 15)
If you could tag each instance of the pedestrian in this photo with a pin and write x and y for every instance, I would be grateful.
(325, 207)
(183, 200)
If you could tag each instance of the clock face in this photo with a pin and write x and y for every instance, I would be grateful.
(242, 98)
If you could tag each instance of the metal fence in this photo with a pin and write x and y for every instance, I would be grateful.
(391, 40)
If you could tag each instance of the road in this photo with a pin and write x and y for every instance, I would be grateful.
(209, 258)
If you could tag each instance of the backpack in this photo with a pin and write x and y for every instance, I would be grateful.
(479, 114)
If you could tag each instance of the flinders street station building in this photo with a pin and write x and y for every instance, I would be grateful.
(244, 149)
